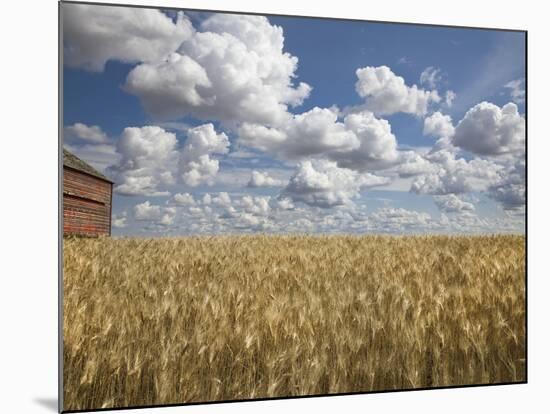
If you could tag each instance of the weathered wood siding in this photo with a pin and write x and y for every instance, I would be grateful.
(86, 204)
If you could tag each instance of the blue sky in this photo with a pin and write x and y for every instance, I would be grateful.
(405, 145)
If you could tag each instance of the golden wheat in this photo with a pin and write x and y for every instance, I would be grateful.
(163, 321)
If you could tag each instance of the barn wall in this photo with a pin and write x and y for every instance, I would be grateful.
(86, 204)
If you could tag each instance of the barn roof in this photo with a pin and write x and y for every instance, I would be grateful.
(72, 161)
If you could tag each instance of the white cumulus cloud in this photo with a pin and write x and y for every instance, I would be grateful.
(223, 199)
(311, 133)
(195, 162)
(386, 93)
(360, 142)
(377, 145)
(452, 204)
(284, 203)
(439, 125)
(154, 213)
(82, 133)
(258, 206)
(412, 163)
(456, 175)
(148, 155)
(168, 216)
(119, 220)
(184, 199)
(262, 179)
(487, 129)
(147, 211)
(233, 68)
(93, 35)
(323, 184)
(509, 190)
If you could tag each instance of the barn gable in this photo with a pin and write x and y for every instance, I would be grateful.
(87, 198)
(72, 161)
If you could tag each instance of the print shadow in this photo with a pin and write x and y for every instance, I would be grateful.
(49, 403)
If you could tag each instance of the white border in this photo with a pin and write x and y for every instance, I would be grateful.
(28, 99)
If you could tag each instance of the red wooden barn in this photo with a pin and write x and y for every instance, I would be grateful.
(87, 198)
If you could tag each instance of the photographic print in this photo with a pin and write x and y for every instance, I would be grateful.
(267, 206)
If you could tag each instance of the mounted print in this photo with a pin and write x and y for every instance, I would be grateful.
(277, 206)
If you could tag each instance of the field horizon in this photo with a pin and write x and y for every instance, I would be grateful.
(296, 234)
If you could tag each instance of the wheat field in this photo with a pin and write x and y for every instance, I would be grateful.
(177, 320)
